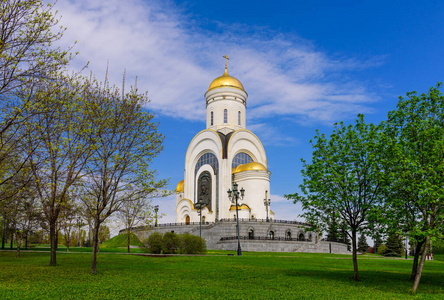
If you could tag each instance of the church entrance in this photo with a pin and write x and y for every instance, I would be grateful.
(187, 220)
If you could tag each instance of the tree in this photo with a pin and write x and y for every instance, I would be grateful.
(119, 171)
(344, 176)
(362, 244)
(415, 135)
(28, 29)
(394, 245)
(135, 212)
(65, 136)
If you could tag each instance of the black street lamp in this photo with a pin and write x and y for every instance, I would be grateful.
(200, 205)
(156, 209)
(267, 204)
(234, 197)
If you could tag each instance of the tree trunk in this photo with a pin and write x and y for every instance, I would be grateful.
(95, 246)
(355, 256)
(12, 240)
(416, 259)
(421, 264)
(129, 236)
(53, 242)
(18, 241)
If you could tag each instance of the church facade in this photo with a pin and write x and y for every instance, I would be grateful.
(223, 153)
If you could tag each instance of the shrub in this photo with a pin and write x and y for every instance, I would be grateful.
(154, 243)
(192, 244)
(381, 249)
(170, 242)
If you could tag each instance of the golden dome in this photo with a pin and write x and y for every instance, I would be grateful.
(179, 187)
(243, 206)
(226, 81)
(253, 166)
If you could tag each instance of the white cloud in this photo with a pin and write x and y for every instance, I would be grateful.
(176, 61)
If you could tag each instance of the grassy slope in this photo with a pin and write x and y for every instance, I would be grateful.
(254, 275)
(121, 240)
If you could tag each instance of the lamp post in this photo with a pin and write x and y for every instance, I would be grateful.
(267, 203)
(200, 205)
(233, 195)
(78, 233)
(156, 209)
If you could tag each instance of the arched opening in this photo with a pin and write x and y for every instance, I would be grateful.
(203, 219)
(225, 116)
(301, 237)
(187, 220)
(212, 118)
(309, 237)
(238, 118)
(288, 235)
(271, 235)
(251, 234)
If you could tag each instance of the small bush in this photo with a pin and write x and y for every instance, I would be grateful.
(154, 243)
(192, 244)
(381, 249)
(170, 243)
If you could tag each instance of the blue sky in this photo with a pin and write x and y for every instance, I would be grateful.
(304, 64)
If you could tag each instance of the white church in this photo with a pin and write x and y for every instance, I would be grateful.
(223, 153)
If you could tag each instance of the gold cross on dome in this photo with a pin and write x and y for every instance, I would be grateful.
(226, 60)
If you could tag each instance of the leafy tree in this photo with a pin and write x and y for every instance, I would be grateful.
(28, 29)
(65, 136)
(394, 246)
(415, 135)
(333, 229)
(135, 212)
(362, 244)
(119, 171)
(344, 176)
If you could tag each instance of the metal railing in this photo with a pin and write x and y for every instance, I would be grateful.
(221, 220)
(262, 238)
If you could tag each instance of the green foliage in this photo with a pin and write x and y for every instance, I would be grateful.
(394, 246)
(121, 240)
(171, 242)
(381, 249)
(362, 244)
(344, 178)
(192, 244)
(269, 276)
(155, 243)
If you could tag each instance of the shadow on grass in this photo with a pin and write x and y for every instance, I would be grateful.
(395, 281)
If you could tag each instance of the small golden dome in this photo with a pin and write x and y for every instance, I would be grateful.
(243, 206)
(253, 166)
(179, 187)
(226, 81)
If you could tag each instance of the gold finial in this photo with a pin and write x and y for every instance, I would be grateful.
(226, 61)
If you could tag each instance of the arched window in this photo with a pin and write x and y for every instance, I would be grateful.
(288, 235)
(251, 234)
(212, 119)
(225, 116)
(271, 235)
(301, 237)
(207, 159)
(240, 159)
(309, 237)
(238, 118)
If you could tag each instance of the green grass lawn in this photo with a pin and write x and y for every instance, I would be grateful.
(214, 276)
